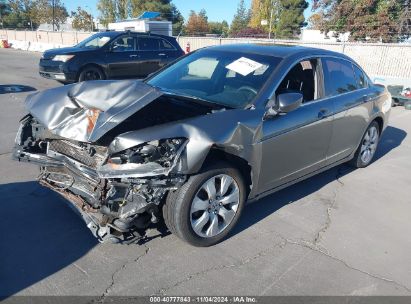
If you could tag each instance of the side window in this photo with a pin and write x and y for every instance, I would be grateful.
(202, 68)
(338, 77)
(165, 45)
(148, 44)
(360, 77)
(302, 78)
(123, 44)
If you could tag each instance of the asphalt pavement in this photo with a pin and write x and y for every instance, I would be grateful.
(343, 232)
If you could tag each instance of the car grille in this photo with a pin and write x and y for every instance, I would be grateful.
(78, 153)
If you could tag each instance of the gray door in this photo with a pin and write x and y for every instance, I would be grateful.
(346, 86)
(296, 143)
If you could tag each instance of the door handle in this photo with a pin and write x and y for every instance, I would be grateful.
(161, 54)
(324, 113)
(133, 56)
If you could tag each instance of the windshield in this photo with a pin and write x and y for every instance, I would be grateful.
(231, 79)
(94, 42)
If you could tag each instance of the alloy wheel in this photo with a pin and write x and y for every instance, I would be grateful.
(369, 145)
(214, 206)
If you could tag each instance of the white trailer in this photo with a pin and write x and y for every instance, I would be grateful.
(144, 26)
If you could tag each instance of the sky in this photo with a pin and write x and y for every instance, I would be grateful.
(217, 10)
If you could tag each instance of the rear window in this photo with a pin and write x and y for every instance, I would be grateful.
(165, 45)
(360, 77)
(148, 44)
(338, 77)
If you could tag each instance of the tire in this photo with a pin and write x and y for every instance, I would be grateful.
(91, 73)
(179, 210)
(369, 142)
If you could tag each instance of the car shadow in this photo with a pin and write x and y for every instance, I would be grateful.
(15, 88)
(39, 235)
(255, 212)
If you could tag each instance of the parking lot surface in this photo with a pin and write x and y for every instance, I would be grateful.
(343, 232)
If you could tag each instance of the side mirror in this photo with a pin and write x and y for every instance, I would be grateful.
(288, 102)
(285, 102)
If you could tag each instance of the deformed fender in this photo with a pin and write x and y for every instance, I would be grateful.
(237, 132)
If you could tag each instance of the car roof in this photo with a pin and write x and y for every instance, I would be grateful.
(118, 33)
(276, 50)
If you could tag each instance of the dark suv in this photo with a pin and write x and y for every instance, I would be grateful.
(110, 55)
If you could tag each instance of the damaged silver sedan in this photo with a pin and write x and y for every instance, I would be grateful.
(195, 141)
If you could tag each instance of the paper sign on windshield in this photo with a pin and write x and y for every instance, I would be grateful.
(244, 66)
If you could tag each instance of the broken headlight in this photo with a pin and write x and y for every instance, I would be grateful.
(149, 159)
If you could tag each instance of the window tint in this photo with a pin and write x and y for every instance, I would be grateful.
(123, 44)
(165, 45)
(148, 44)
(301, 78)
(360, 77)
(338, 77)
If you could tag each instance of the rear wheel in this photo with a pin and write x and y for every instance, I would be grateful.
(206, 208)
(368, 146)
(91, 73)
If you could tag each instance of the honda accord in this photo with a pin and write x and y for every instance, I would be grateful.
(194, 142)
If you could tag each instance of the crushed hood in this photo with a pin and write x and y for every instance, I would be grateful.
(86, 111)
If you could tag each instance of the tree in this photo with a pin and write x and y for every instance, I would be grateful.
(20, 14)
(372, 20)
(122, 9)
(197, 24)
(82, 20)
(107, 10)
(219, 28)
(241, 19)
(316, 21)
(4, 10)
(251, 32)
(290, 18)
(50, 11)
(285, 16)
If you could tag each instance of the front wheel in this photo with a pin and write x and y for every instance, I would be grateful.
(91, 73)
(368, 146)
(206, 208)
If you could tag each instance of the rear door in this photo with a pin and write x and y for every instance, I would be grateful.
(352, 105)
(168, 52)
(121, 57)
(150, 55)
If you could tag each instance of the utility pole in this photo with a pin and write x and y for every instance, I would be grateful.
(52, 4)
(271, 20)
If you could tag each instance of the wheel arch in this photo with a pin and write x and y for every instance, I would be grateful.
(380, 122)
(237, 162)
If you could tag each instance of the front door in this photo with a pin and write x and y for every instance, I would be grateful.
(296, 143)
(121, 58)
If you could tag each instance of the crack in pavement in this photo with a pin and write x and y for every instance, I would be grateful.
(116, 272)
(314, 247)
(262, 253)
(331, 206)
(5, 153)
